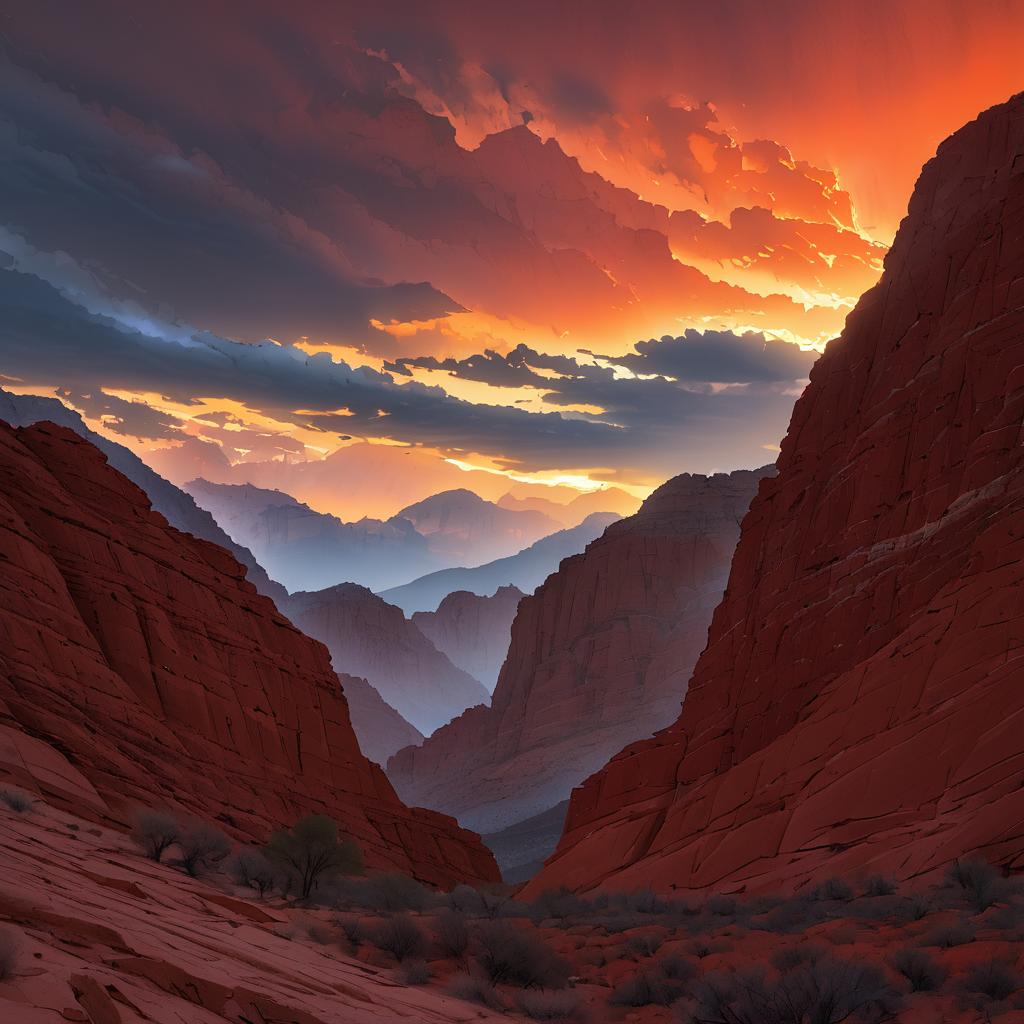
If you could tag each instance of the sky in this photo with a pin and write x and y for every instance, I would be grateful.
(551, 246)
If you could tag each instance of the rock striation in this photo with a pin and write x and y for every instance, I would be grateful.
(369, 637)
(859, 705)
(139, 666)
(599, 655)
(473, 631)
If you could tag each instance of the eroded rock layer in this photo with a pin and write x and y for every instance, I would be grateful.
(599, 655)
(139, 666)
(860, 703)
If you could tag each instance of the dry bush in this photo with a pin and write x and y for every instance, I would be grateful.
(416, 972)
(921, 970)
(391, 891)
(644, 943)
(352, 928)
(675, 968)
(203, 846)
(10, 948)
(993, 979)
(16, 799)
(475, 989)
(250, 868)
(319, 932)
(792, 957)
(311, 852)
(511, 955)
(402, 937)
(834, 888)
(980, 881)
(879, 885)
(564, 1005)
(645, 989)
(959, 933)
(452, 934)
(155, 832)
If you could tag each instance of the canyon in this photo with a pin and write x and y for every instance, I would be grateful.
(858, 707)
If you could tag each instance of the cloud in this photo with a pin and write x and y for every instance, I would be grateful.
(130, 418)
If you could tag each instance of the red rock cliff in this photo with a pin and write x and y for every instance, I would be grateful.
(139, 666)
(859, 705)
(584, 672)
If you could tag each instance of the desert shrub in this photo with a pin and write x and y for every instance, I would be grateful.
(391, 891)
(250, 868)
(319, 932)
(645, 989)
(558, 905)
(916, 908)
(537, 1005)
(155, 832)
(675, 968)
(994, 979)
(16, 799)
(959, 933)
(203, 846)
(402, 937)
(822, 992)
(312, 851)
(10, 948)
(645, 943)
(794, 915)
(792, 957)
(833, 889)
(477, 902)
(640, 901)
(1009, 919)
(879, 885)
(702, 948)
(720, 906)
(921, 970)
(416, 972)
(511, 955)
(452, 933)
(475, 989)
(980, 881)
(352, 928)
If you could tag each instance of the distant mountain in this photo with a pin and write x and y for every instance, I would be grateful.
(572, 513)
(526, 570)
(380, 729)
(370, 638)
(308, 550)
(473, 631)
(177, 507)
(465, 529)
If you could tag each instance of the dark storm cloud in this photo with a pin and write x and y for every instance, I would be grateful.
(47, 339)
(133, 419)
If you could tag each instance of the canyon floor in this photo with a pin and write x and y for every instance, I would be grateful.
(105, 936)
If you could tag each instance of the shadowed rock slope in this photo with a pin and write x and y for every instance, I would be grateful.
(473, 631)
(139, 666)
(859, 705)
(599, 656)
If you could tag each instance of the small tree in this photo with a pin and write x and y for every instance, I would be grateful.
(154, 832)
(402, 937)
(251, 868)
(312, 850)
(203, 846)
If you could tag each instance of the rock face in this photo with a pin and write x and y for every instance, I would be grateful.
(308, 550)
(473, 631)
(526, 570)
(369, 637)
(177, 507)
(859, 704)
(138, 666)
(381, 730)
(599, 656)
(467, 530)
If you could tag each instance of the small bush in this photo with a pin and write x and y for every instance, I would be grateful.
(980, 881)
(879, 885)
(559, 905)
(16, 800)
(721, 906)
(644, 943)
(923, 973)
(675, 968)
(392, 891)
(645, 989)
(477, 902)
(402, 937)
(452, 934)
(792, 957)
(416, 972)
(917, 907)
(823, 992)
(312, 851)
(352, 928)
(319, 932)
(833, 889)
(947, 936)
(564, 1005)
(474, 989)
(203, 846)
(250, 868)
(993, 979)
(155, 832)
(10, 948)
(516, 957)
